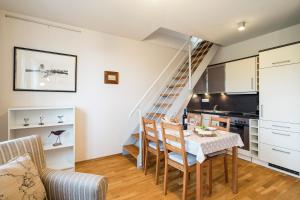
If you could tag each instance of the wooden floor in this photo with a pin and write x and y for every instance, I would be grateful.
(128, 182)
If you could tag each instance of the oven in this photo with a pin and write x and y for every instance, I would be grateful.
(241, 126)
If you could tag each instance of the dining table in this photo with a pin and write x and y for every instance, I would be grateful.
(202, 146)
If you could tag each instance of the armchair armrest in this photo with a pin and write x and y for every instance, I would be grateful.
(63, 185)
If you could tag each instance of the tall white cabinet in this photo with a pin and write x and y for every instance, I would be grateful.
(53, 119)
(280, 93)
(279, 127)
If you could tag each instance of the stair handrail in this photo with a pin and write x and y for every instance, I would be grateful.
(160, 108)
(159, 76)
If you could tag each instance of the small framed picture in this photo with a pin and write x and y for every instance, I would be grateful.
(111, 77)
(45, 71)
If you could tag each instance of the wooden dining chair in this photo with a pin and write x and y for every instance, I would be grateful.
(194, 120)
(223, 124)
(176, 155)
(220, 123)
(152, 145)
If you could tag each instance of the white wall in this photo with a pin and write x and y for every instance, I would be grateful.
(102, 117)
(252, 46)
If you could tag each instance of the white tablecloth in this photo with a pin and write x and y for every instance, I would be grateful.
(201, 146)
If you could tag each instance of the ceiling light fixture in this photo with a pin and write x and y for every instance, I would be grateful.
(241, 26)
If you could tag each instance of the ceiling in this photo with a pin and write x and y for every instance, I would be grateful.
(166, 37)
(214, 20)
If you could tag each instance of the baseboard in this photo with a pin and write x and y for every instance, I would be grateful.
(259, 162)
(266, 165)
(97, 159)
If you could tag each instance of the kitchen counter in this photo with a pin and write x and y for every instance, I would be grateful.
(226, 113)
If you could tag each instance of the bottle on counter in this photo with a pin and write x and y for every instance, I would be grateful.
(184, 119)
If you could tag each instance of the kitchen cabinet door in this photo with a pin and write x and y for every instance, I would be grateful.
(280, 156)
(284, 139)
(216, 78)
(241, 76)
(280, 56)
(280, 93)
(201, 85)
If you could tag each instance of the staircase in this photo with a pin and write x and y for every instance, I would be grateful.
(171, 91)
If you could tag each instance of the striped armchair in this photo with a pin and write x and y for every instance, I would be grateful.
(59, 185)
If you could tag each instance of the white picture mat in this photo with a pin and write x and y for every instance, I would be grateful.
(32, 60)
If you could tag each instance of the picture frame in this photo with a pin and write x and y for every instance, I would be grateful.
(111, 77)
(44, 71)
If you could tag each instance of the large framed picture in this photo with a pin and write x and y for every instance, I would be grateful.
(37, 70)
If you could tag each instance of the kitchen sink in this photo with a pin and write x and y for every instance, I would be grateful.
(216, 111)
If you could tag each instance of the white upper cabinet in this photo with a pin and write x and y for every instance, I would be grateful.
(280, 56)
(240, 76)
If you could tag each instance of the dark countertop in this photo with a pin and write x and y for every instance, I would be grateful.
(226, 113)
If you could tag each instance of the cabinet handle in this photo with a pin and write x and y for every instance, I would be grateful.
(252, 83)
(286, 152)
(262, 110)
(278, 126)
(281, 62)
(281, 134)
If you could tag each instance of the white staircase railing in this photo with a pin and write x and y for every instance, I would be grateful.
(183, 99)
(161, 75)
(183, 57)
(180, 77)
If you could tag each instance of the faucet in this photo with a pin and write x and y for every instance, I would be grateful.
(215, 108)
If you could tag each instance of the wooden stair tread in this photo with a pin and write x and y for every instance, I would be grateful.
(197, 62)
(136, 136)
(163, 104)
(156, 115)
(180, 77)
(200, 58)
(176, 86)
(185, 69)
(203, 46)
(197, 53)
(170, 95)
(132, 150)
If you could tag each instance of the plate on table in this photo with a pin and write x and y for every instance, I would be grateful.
(211, 128)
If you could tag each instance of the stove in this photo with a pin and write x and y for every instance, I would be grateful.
(243, 114)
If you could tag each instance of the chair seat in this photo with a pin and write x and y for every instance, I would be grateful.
(191, 159)
(153, 145)
(216, 153)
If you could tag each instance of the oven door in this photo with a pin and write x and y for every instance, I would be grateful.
(243, 131)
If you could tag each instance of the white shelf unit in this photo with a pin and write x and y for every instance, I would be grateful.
(57, 157)
(253, 134)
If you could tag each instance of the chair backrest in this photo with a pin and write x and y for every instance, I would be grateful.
(194, 120)
(219, 121)
(173, 139)
(150, 130)
(18, 147)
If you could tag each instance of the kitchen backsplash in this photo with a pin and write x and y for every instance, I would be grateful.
(238, 103)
